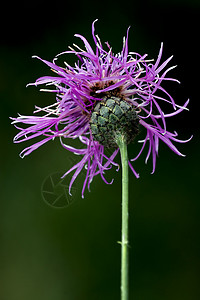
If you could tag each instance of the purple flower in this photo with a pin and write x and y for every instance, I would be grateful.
(102, 94)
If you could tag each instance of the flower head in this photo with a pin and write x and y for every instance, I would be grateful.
(102, 95)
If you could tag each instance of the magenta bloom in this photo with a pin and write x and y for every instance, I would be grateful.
(101, 94)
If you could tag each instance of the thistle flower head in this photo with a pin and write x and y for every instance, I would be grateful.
(103, 95)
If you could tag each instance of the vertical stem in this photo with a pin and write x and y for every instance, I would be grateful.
(124, 239)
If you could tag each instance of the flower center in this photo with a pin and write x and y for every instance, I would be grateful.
(113, 116)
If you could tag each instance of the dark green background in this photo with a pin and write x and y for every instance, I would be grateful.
(72, 253)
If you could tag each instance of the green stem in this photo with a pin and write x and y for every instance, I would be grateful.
(124, 239)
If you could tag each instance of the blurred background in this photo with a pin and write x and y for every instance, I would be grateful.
(71, 253)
